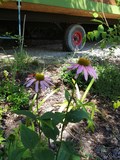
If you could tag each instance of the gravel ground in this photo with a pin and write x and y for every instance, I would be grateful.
(53, 50)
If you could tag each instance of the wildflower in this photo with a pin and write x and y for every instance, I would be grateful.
(83, 65)
(40, 80)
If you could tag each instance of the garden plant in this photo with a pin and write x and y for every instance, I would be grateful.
(35, 137)
(39, 135)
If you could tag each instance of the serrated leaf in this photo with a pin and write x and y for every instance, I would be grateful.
(29, 138)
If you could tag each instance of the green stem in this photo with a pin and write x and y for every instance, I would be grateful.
(33, 103)
(87, 90)
(37, 102)
(71, 98)
(38, 113)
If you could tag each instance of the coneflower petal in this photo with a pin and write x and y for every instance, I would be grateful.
(37, 86)
(42, 85)
(92, 72)
(72, 67)
(45, 84)
(30, 82)
(80, 69)
(85, 74)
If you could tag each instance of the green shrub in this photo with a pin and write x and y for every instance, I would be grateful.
(108, 83)
(14, 94)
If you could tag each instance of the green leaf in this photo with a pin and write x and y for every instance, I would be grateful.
(91, 125)
(116, 104)
(67, 95)
(27, 155)
(76, 115)
(54, 117)
(49, 120)
(98, 21)
(104, 34)
(16, 154)
(64, 153)
(103, 44)
(47, 115)
(67, 151)
(90, 36)
(1, 139)
(110, 29)
(44, 154)
(96, 34)
(95, 15)
(26, 113)
(75, 157)
(58, 118)
(29, 138)
(100, 28)
(49, 129)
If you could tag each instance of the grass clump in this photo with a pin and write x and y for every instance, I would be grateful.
(108, 83)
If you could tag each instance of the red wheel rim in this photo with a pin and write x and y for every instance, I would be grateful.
(77, 38)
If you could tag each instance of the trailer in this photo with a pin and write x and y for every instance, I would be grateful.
(71, 16)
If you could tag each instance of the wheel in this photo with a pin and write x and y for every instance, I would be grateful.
(74, 38)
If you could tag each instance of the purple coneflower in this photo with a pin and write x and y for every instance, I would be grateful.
(83, 65)
(40, 80)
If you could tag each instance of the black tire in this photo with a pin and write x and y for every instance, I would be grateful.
(73, 40)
